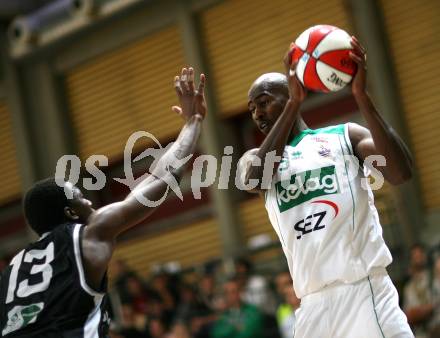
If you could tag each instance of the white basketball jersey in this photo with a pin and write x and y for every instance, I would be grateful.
(326, 220)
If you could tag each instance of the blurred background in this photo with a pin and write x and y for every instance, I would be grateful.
(80, 76)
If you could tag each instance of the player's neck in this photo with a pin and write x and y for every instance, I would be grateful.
(298, 127)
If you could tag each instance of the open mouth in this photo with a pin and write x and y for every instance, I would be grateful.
(263, 125)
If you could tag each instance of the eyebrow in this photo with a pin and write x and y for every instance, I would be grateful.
(259, 96)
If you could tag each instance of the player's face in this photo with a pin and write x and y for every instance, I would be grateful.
(80, 205)
(418, 258)
(265, 108)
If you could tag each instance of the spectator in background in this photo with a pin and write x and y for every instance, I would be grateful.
(255, 289)
(435, 321)
(239, 320)
(136, 294)
(179, 330)
(132, 325)
(193, 312)
(156, 328)
(286, 312)
(417, 292)
(161, 285)
(120, 272)
(282, 280)
(207, 290)
(188, 305)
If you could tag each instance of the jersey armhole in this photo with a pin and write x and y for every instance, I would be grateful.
(347, 139)
(77, 235)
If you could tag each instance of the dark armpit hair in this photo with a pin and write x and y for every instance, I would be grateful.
(44, 205)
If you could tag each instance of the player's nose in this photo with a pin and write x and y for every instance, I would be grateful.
(259, 113)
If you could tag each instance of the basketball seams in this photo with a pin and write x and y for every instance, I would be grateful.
(317, 42)
(309, 64)
(331, 88)
(308, 41)
(333, 50)
(324, 64)
(336, 31)
(334, 66)
(313, 73)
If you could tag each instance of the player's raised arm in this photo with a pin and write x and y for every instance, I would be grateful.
(106, 223)
(263, 104)
(381, 138)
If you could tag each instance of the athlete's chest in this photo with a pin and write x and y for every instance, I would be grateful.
(312, 153)
(315, 166)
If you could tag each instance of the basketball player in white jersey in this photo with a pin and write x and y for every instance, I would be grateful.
(322, 212)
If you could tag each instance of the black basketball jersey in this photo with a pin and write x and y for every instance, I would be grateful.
(43, 292)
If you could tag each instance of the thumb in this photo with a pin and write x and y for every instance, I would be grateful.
(292, 68)
(177, 110)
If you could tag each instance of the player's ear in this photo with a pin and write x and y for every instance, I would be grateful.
(70, 214)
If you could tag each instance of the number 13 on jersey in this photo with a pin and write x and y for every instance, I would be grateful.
(44, 270)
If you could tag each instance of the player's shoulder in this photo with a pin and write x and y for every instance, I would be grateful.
(332, 129)
(63, 233)
(356, 132)
(351, 130)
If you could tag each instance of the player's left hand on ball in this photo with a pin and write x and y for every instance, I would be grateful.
(192, 101)
(358, 55)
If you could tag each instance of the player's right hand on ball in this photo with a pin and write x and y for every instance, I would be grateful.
(192, 101)
(296, 90)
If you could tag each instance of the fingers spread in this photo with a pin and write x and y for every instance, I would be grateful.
(184, 80)
(202, 82)
(177, 86)
(177, 110)
(191, 80)
(359, 44)
(356, 58)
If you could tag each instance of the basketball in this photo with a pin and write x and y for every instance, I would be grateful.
(324, 64)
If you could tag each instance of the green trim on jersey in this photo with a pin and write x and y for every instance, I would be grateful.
(339, 129)
(349, 183)
(374, 306)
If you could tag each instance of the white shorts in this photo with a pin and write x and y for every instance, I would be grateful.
(368, 308)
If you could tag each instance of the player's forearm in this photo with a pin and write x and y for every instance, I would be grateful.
(168, 164)
(387, 142)
(150, 192)
(276, 139)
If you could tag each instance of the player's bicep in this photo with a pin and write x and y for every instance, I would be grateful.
(365, 149)
(111, 220)
(99, 236)
(362, 141)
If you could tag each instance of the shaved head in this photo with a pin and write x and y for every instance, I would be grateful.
(268, 84)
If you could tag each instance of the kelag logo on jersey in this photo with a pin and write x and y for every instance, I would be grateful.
(306, 185)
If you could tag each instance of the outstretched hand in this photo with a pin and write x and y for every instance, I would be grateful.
(296, 90)
(192, 101)
(358, 55)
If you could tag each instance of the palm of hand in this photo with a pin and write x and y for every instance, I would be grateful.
(192, 101)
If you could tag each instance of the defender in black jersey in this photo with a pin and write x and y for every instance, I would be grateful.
(56, 286)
